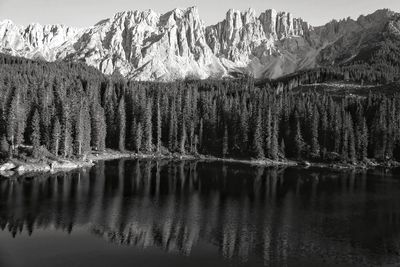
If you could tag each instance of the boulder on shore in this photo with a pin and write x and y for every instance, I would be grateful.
(7, 166)
(33, 168)
(65, 165)
(7, 174)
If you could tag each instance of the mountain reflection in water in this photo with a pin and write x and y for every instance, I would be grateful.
(270, 216)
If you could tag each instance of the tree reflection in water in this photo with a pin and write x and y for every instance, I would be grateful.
(274, 214)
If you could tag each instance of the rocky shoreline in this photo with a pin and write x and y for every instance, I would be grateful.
(16, 168)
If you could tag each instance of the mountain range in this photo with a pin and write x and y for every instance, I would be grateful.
(147, 46)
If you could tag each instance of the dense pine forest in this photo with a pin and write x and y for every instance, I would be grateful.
(71, 109)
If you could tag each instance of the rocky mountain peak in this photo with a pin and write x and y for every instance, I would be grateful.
(393, 26)
(145, 45)
(243, 35)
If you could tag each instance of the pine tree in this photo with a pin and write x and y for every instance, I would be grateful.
(323, 133)
(345, 139)
(66, 147)
(139, 137)
(257, 139)
(121, 119)
(244, 128)
(274, 140)
(200, 137)
(268, 134)
(390, 131)
(132, 135)
(337, 133)
(3, 130)
(298, 141)
(192, 137)
(282, 148)
(87, 130)
(212, 128)
(225, 142)
(379, 134)
(148, 133)
(79, 131)
(172, 128)
(352, 147)
(158, 125)
(35, 131)
(363, 140)
(99, 128)
(55, 137)
(183, 138)
(110, 110)
(315, 149)
(15, 124)
(45, 112)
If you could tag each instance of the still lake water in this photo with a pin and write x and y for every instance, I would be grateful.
(162, 213)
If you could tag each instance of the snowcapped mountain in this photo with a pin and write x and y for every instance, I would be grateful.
(144, 45)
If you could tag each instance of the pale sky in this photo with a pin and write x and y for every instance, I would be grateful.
(83, 13)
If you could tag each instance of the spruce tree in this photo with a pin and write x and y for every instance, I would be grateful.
(79, 131)
(299, 141)
(345, 139)
(315, 149)
(121, 119)
(257, 139)
(35, 131)
(172, 129)
(148, 133)
(132, 135)
(225, 142)
(139, 137)
(268, 134)
(66, 147)
(323, 132)
(274, 149)
(183, 138)
(282, 148)
(55, 137)
(15, 123)
(244, 128)
(192, 137)
(3, 130)
(337, 133)
(110, 109)
(87, 129)
(352, 148)
(363, 140)
(200, 136)
(158, 125)
(99, 128)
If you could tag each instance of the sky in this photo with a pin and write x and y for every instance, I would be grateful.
(84, 13)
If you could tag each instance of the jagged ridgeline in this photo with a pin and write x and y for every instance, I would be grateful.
(71, 108)
(147, 46)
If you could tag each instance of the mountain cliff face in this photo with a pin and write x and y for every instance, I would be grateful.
(36, 41)
(144, 45)
(261, 45)
(148, 46)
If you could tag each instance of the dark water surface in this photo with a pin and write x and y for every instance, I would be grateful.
(149, 213)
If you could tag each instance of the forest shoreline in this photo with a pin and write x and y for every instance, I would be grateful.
(15, 168)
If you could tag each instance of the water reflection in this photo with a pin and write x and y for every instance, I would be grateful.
(275, 215)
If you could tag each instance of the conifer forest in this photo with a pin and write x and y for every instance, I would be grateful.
(71, 109)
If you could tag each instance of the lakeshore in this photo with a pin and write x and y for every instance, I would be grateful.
(14, 168)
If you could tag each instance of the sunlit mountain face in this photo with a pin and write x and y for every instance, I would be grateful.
(145, 45)
(147, 211)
